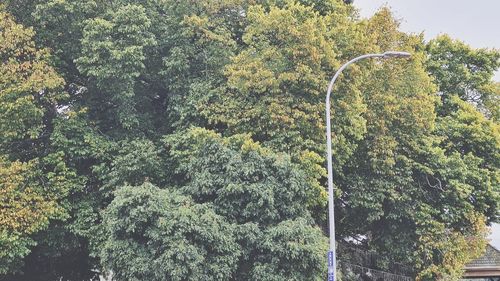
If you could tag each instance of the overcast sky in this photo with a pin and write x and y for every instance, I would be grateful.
(476, 22)
(495, 236)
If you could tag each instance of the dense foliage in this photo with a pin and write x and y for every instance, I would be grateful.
(236, 219)
(184, 140)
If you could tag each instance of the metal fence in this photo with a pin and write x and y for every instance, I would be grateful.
(352, 272)
(358, 264)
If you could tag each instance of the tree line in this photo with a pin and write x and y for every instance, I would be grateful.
(184, 140)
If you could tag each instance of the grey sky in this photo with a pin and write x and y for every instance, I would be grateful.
(477, 23)
(495, 236)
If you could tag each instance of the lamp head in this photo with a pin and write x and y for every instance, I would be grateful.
(394, 54)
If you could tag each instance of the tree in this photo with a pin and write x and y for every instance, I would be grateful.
(466, 171)
(254, 221)
(113, 56)
(30, 89)
(396, 181)
(464, 71)
(31, 186)
(25, 210)
(275, 86)
(159, 235)
(220, 105)
(265, 194)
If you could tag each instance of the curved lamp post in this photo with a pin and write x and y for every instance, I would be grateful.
(332, 260)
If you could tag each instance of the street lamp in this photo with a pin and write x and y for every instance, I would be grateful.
(332, 259)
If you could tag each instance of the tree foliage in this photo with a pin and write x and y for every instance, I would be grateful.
(159, 235)
(186, 140)
(29, 185)
(237, 220)
(466, 72)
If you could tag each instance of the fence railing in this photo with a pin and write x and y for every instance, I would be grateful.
(352, 272)
(360, 264)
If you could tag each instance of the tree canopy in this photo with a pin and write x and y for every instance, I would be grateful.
(184, 140)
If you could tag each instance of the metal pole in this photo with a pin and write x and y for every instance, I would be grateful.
(332, 259)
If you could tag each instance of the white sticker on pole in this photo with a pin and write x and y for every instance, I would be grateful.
(331, 269)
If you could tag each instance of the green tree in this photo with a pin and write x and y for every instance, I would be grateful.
(416, 167)
(30, 89)
(25, 210)
(32, 180)
(156, 234)
(465, 171)
(240, 219)
(460, 70)
(113, 56)
(403, 181)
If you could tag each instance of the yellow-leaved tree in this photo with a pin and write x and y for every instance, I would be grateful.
(29, 188)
